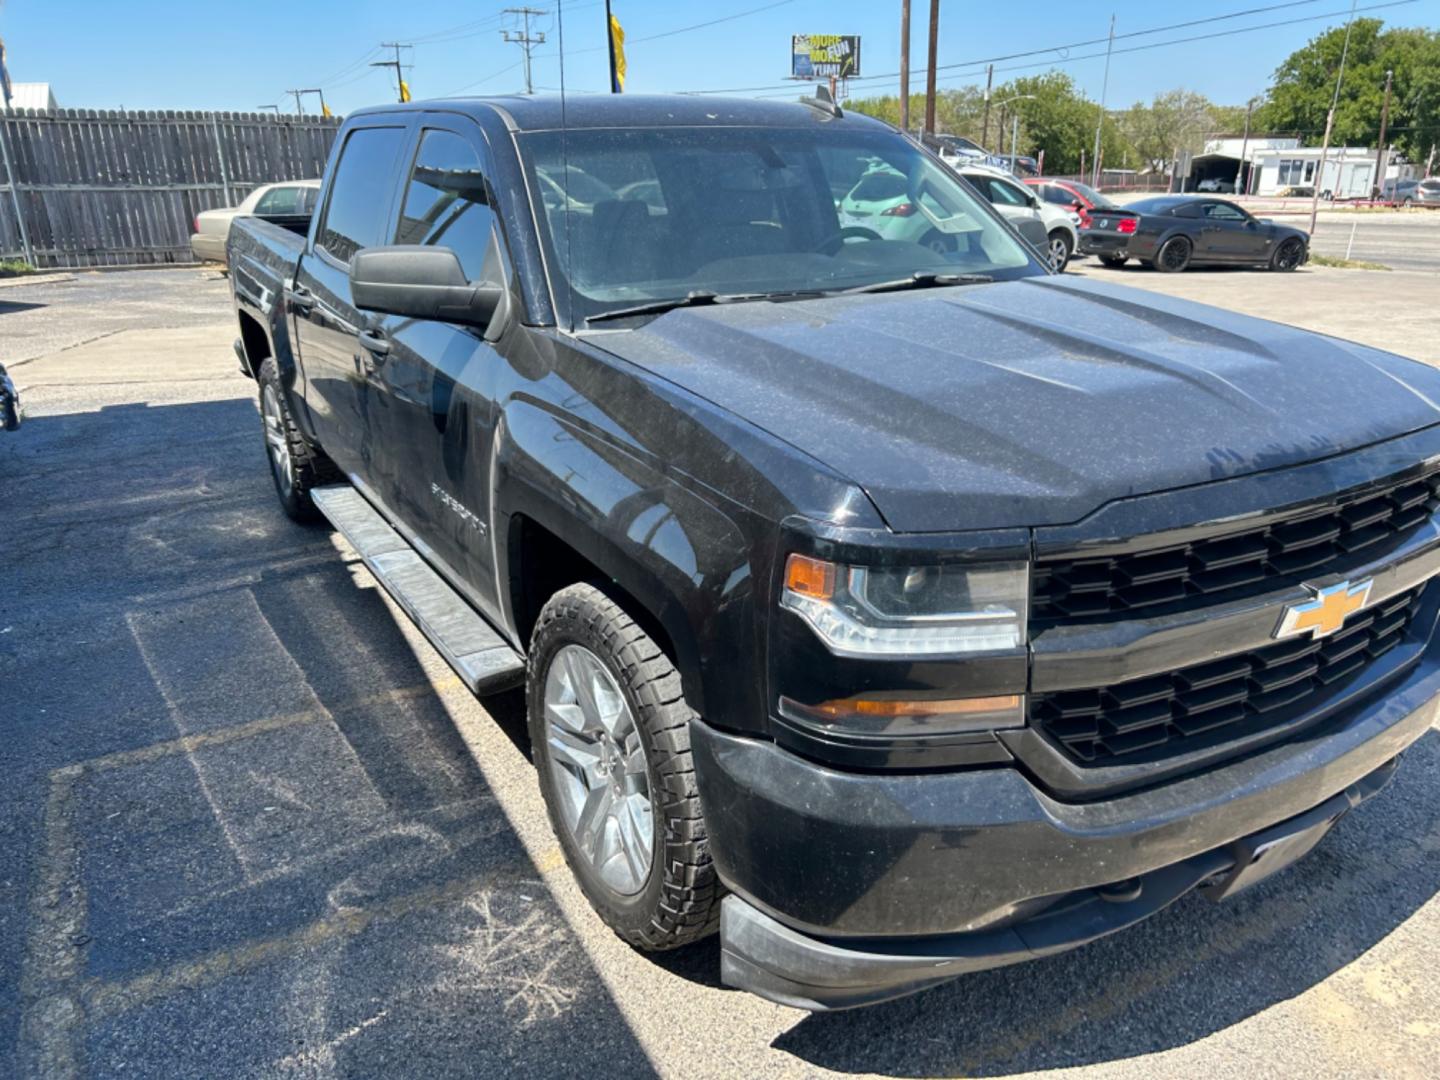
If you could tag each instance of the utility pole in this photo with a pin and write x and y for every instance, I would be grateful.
(274, 108)
(930, 72)
(1104, 89)
(1378, 187)
(324, 109)
(985, 123)
(1244, 146)
(299, 106)
(1330, 123)
(905, 66)
(401, 90)
(524, 38)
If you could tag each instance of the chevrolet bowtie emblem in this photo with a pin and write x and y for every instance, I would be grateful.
(1326, 613)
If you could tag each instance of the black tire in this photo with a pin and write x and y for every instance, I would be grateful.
(940, 243)
(1113, 261)
(679, 901)
(298, 467)
(1060, 249)
(1289, 255)
(1408, 203)
(1174, 255)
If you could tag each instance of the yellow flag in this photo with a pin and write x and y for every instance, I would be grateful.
(404, 90)
(617, 56)
(325, 111)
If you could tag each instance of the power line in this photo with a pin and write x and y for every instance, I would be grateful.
(402, 90)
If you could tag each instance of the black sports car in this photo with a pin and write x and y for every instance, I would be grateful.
(1171, 232)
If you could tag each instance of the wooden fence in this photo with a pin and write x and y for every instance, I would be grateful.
(123, 188)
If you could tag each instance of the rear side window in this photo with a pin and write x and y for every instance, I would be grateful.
(355, 214)
(446, 204)
(280, 200)
(1004, 194)
(1057, 195)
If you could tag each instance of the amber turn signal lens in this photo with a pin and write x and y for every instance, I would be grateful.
(894, 707)
(810, 577)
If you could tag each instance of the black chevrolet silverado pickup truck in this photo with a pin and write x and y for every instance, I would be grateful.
(881, 598)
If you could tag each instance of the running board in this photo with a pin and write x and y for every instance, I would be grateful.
(479, 655)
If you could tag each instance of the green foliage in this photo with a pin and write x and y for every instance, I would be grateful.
(1176, 120)
(1305, 84)
(15, 268)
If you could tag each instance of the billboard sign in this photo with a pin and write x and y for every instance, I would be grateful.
(821, 56)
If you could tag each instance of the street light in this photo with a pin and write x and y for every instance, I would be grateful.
(1014, 123)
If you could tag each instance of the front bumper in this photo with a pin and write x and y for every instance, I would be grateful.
(853, 888)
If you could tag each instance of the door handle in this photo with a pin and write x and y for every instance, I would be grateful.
(375, 343)
(299, 298)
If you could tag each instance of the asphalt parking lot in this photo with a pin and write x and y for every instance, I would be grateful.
(251, 825)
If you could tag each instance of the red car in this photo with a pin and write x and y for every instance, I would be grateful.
(1071, 194)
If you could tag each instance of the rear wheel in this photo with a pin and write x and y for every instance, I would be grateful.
(1174, 255)
(1060, 249)
(610, 735)
(1289, 255)
(294, 466)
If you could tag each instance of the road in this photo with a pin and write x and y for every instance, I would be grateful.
(251, 825)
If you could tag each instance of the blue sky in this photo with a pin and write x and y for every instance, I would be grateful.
(190, 54)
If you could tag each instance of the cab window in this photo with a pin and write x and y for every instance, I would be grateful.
(359, 193)
(446, 200)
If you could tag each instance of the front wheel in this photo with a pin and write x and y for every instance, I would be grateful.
(1060, 249)
(610, 736)
(1173, 256)
(1288, 256)
(1113, 261)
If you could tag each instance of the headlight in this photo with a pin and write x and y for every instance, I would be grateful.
(901, 611)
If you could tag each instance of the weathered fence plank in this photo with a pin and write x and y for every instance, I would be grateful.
(105, 188)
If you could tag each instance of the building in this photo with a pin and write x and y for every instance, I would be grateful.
(1349, 171)
(32, 95)
(1228, 156)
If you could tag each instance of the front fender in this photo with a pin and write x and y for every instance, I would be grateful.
(687, 559)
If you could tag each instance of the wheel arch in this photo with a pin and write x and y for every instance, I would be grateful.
(572, 507)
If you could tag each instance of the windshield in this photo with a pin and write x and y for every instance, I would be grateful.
(658, 214)
(1098, 201)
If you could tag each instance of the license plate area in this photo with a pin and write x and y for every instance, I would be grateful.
(1268, 852)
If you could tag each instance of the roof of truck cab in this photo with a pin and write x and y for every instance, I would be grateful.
(543, 112)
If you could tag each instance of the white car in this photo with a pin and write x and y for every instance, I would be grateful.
(1018, 202)
(212, 227)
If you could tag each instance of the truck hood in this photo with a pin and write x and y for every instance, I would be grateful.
(1031, 402)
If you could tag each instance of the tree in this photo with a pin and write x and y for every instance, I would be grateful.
(958, 112)
(1176, 120)
(1304, 86)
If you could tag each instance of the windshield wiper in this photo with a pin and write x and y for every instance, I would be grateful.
(921, 279)
(701, 298)
(694, 298)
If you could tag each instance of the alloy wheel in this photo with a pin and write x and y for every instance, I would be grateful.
(599, 767)
(276, 442)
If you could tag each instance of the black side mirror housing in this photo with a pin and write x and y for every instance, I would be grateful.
(422, 282)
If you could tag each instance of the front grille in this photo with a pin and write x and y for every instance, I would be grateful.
(1230, 566)
(1165, 715)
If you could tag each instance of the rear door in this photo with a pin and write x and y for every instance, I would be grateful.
(339, 373)
(438, 379)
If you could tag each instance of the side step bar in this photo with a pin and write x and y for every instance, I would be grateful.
(479, 655)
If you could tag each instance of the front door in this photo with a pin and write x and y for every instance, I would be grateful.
(338, 372)
(1231, 235)
(438, 378)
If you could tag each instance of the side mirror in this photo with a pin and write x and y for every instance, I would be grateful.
(421, 282)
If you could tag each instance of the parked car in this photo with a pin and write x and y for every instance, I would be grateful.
(955, 149)
(1217, 186)
(1413, 192)
(884, 202)
(212, 227)
(901, 613)
(1072, 195)
(9, 402)
(1017, 202)
(1174, 232)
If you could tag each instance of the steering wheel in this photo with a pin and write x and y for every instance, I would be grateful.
(832, 245)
